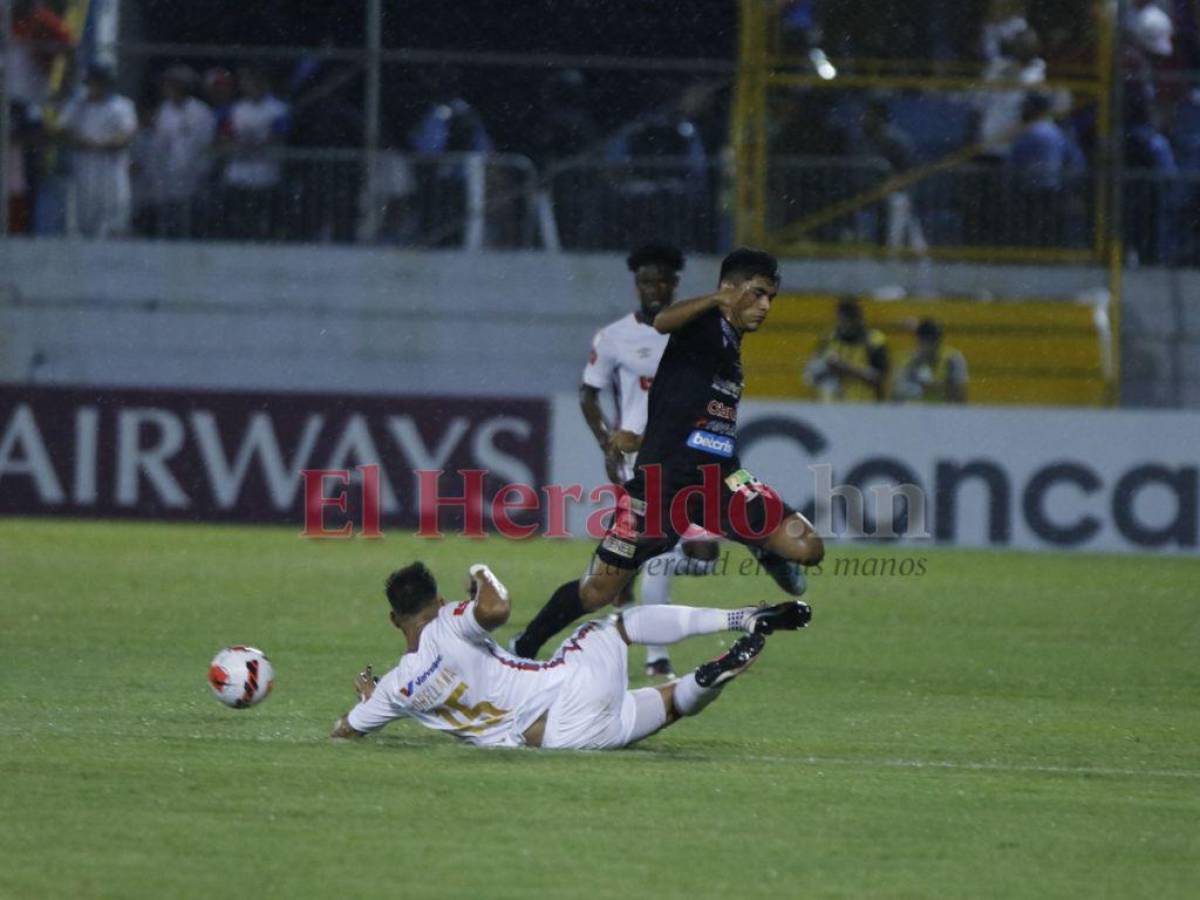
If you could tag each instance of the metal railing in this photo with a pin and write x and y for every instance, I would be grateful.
(616, 205)
(500, 201)
(969, 207)
(471, 200)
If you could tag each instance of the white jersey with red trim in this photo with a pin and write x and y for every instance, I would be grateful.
(461, 681)
(624, 358)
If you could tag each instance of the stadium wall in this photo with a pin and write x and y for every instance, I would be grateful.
(973, 477)
(381, 320)
(1035, 479)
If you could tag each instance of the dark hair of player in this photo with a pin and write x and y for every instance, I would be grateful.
(745, 263)
(929, 330)
(411, 589)
(849, 307)
(655, 254)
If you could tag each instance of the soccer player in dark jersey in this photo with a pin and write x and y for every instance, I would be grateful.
(690, 441)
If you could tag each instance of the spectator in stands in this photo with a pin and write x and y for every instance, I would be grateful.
(451, 124)
(258, 127)
(40, 57)
(886, 141)
(934, 373)
(660, 174)
(41, 39)
(453, 192)
(1149, 219)
(219, 94)
(99, 125)
(143, 170)
(850, 365)
(1042, 161)
(184, 130)
(1000, 110)
(1005, 20)
(24, 131)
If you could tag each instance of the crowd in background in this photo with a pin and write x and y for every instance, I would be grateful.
(235, 151)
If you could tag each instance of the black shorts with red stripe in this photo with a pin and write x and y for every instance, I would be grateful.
(746, 511)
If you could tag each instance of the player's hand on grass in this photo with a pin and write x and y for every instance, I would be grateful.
(364, 684)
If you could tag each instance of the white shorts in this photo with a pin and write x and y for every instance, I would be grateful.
(594, 709)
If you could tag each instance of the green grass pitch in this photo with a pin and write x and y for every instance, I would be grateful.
(1006, 725)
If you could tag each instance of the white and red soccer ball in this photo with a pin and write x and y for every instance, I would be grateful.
(241, 676)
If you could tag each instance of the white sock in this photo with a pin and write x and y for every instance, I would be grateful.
(671, 624)
(690, 697)
(650, 713)
(656, 591)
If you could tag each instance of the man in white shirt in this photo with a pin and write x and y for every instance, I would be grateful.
(624, 358)
(258, 123)
(184, 128)
(100, 125)
(455, 678)
(1000, 111)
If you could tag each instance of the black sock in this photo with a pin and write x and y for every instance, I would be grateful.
(563, 608)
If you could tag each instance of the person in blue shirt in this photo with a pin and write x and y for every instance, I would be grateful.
(1042, 163)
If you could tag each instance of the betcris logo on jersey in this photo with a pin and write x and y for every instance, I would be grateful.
(708, 442)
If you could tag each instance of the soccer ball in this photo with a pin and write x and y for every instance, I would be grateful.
(241, 676)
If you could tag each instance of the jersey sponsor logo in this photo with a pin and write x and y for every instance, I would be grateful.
(717, 427)
(415, 683)
(708, 442)
(645, 382)
(722, 410)
(728, 388)
(462, 607)
(644, 352)
(614, 544)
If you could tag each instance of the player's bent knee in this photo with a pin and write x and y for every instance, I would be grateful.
(812, 550)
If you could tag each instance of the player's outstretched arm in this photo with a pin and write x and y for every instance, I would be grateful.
(677, 315)
(492, 606)
(364, 686)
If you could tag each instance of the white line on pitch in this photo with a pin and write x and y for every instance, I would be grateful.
(972, 766)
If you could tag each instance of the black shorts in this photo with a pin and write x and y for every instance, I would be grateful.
(747, 512)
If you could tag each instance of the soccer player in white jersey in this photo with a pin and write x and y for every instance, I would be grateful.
(455, 678)
(624, 358)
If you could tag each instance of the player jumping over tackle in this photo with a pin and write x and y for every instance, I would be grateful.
(455, 678)
(624, 360)
(690, 436)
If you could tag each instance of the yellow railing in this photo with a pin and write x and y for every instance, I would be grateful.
(763, 70)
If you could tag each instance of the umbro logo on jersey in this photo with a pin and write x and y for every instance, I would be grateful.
(711, 443)
(643, 352)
